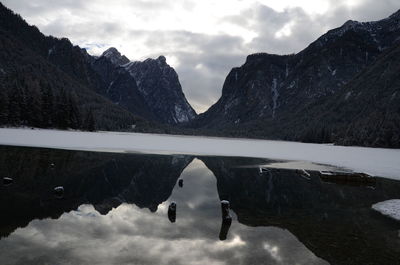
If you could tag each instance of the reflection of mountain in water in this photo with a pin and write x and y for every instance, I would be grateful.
(103, 179)
(334, 221)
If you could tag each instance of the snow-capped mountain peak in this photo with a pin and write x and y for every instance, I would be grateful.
(115, 56)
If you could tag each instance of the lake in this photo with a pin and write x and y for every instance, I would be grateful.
(114, 210)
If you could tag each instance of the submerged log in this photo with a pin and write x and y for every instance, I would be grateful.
(172, 212)
(347, 178)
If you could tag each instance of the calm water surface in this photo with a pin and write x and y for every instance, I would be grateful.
(114, 211)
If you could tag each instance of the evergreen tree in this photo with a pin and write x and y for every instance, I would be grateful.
(90, 124)
(34, 105)
(14, 110)
(47, 106)
(73, 112)
(3, 106)
(62, 115)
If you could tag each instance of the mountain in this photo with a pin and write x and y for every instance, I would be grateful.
(115, 56)
(118, 85)
(46, 82)
(37, 92)
(269, 94)
(160, 87)
(150, 88)
(36, 69)
(366, 111)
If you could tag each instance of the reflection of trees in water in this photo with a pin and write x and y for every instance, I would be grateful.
(103, 179)
(334, 221)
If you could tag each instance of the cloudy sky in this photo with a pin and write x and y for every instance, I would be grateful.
(203, 39)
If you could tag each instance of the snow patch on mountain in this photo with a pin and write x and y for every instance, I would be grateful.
(115, 56)
(275, 95)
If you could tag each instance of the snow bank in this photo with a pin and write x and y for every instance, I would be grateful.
(390, 208)
(373, 161)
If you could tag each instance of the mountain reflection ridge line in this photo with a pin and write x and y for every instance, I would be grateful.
(374, 161)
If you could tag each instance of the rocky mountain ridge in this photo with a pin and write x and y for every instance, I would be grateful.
(150, 88)
(268, 94)
(103, 75)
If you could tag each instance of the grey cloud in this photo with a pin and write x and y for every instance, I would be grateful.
(41, 7)
(204, 61)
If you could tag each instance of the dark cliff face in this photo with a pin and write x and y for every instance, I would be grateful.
(274, 89)
(120, 87)
(159, 84)
(150, 88)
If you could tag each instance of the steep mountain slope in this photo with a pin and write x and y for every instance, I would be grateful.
(150, 88)
(366, 112)
(271, 90)
(119, 86)
(159, 84)
(104, 75)
(34, 92)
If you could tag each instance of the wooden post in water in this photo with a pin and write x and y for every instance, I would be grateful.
(226, 220)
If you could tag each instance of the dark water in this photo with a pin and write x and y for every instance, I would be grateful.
(114, 211)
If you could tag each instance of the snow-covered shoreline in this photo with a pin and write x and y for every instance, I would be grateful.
(390, 208)
(373, 161)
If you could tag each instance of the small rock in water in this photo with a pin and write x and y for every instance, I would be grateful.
(172, 212)
(59, 192)
(7, 181)
(180, 183)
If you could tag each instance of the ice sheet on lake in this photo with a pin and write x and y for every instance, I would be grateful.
(390, 208)
(373, 161)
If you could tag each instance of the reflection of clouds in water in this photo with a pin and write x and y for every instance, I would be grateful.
(129, 235)
(273, 251)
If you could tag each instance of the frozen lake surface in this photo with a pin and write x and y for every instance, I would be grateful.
(373, 161)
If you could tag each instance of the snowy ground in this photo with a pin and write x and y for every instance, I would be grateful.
(373, 161)
(390, 208)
